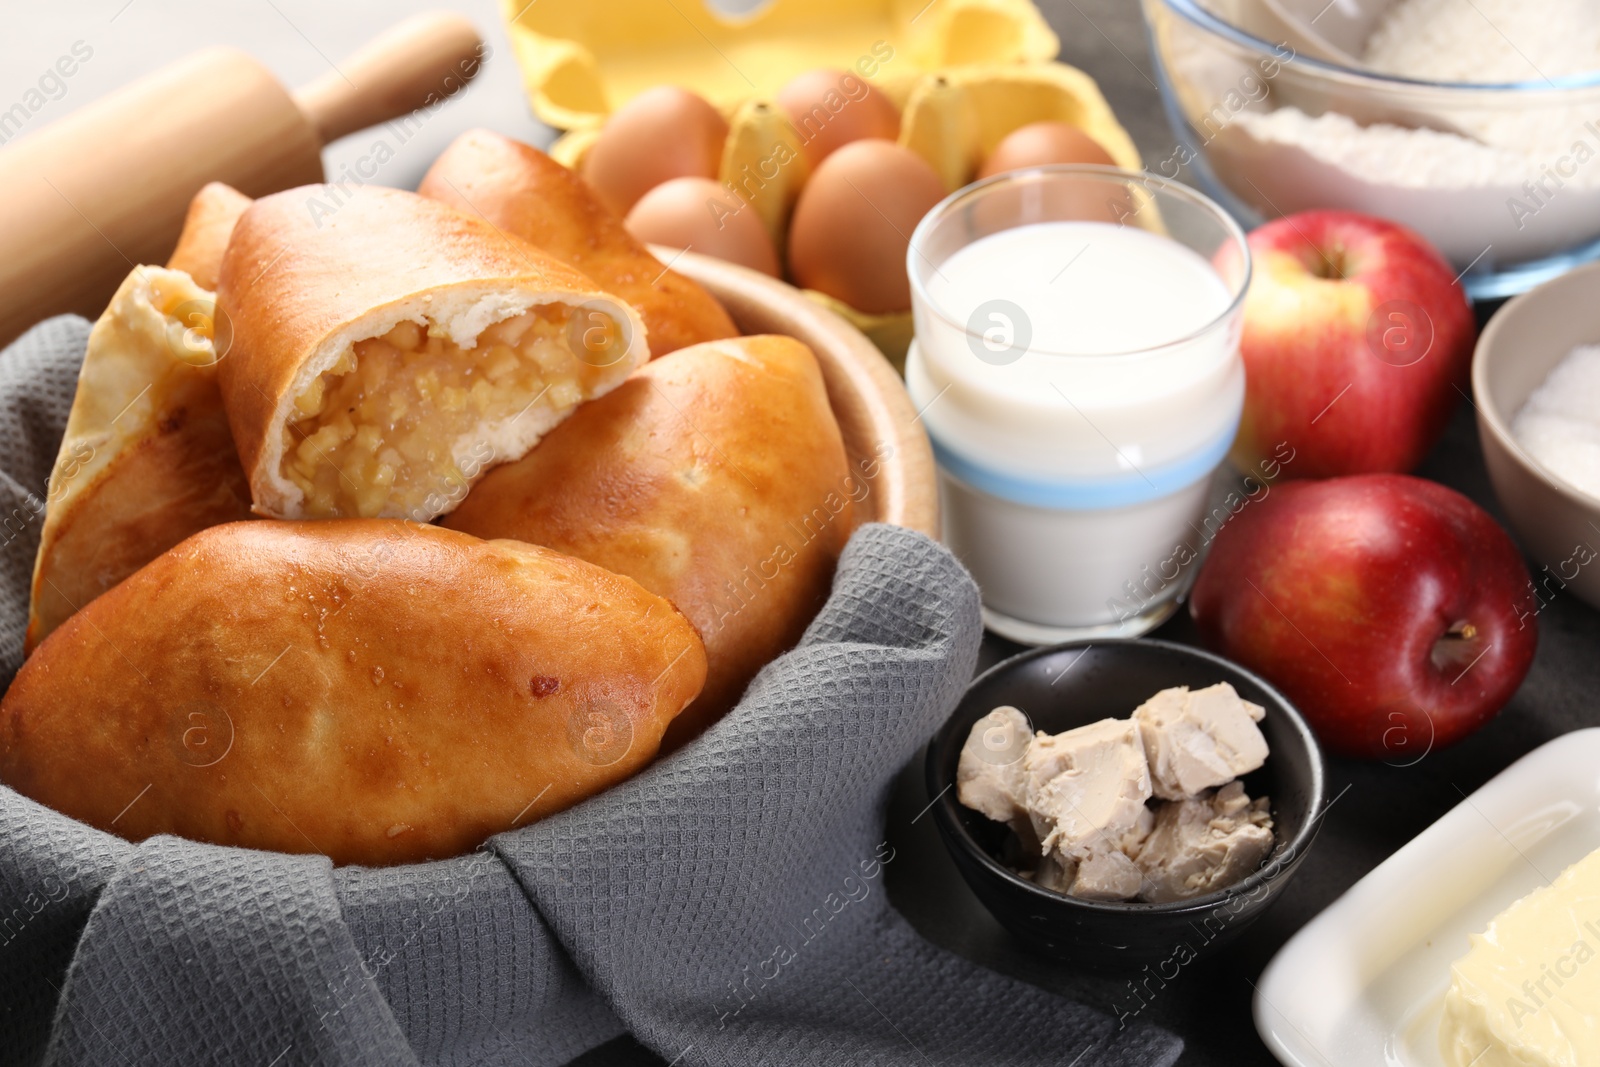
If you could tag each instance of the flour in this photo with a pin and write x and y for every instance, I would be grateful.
(1417, 159)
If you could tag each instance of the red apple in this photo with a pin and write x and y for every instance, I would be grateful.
(1392, 611)
(1356, 338)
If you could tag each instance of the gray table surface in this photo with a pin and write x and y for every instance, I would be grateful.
(1377, 808)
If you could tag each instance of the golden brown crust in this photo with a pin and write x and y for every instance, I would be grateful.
(180, 478)
(715, 477)
(308, 269)
(526, 193)
(212, 215)
(147, 458)
(374, 690)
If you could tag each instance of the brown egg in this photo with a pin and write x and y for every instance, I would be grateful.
(830, 108)
(1087, 197)
(853, 223)
(703, 216)
(1040, 143)
(661, 134)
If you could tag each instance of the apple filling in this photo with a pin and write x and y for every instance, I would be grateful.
(394, 421)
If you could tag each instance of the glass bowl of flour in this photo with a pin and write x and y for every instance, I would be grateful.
(1474, 122)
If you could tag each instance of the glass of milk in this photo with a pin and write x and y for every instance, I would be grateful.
(1076, 365)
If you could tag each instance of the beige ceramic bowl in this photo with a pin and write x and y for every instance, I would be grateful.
(875, 414)
(1558, 524)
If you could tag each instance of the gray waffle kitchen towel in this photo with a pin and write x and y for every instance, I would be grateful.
(726, 905)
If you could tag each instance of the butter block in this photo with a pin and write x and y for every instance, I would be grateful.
(1527, 993)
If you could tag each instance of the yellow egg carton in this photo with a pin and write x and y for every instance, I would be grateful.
(964, 73)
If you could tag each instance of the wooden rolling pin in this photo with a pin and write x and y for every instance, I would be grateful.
(85, 199)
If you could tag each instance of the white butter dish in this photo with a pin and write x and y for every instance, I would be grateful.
(1364, 982)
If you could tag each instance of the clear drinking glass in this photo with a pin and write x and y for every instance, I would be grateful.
(1076, 365)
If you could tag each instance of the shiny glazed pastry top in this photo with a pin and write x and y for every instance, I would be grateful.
(376, 691)
(527, 194)
(715, 477)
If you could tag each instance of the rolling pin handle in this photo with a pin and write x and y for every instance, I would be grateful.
(415, 64)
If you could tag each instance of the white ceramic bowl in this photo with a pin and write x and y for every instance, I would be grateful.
(1558, 524)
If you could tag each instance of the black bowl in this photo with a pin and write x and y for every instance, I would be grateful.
(1074, 684)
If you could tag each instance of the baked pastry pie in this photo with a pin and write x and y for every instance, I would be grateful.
(148, 458)
(526, 193)
(374, 690)
(212, 215)
(715, 477)
(388, 349)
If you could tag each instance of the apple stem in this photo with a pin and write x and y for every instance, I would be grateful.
(1464, 630)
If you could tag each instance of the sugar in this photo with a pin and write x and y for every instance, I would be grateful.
(1559, 425)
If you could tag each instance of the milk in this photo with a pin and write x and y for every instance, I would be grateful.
(1080, 382)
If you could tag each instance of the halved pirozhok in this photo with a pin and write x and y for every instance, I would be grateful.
(387, 350)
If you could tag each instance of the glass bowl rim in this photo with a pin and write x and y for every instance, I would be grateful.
(1199, 16)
